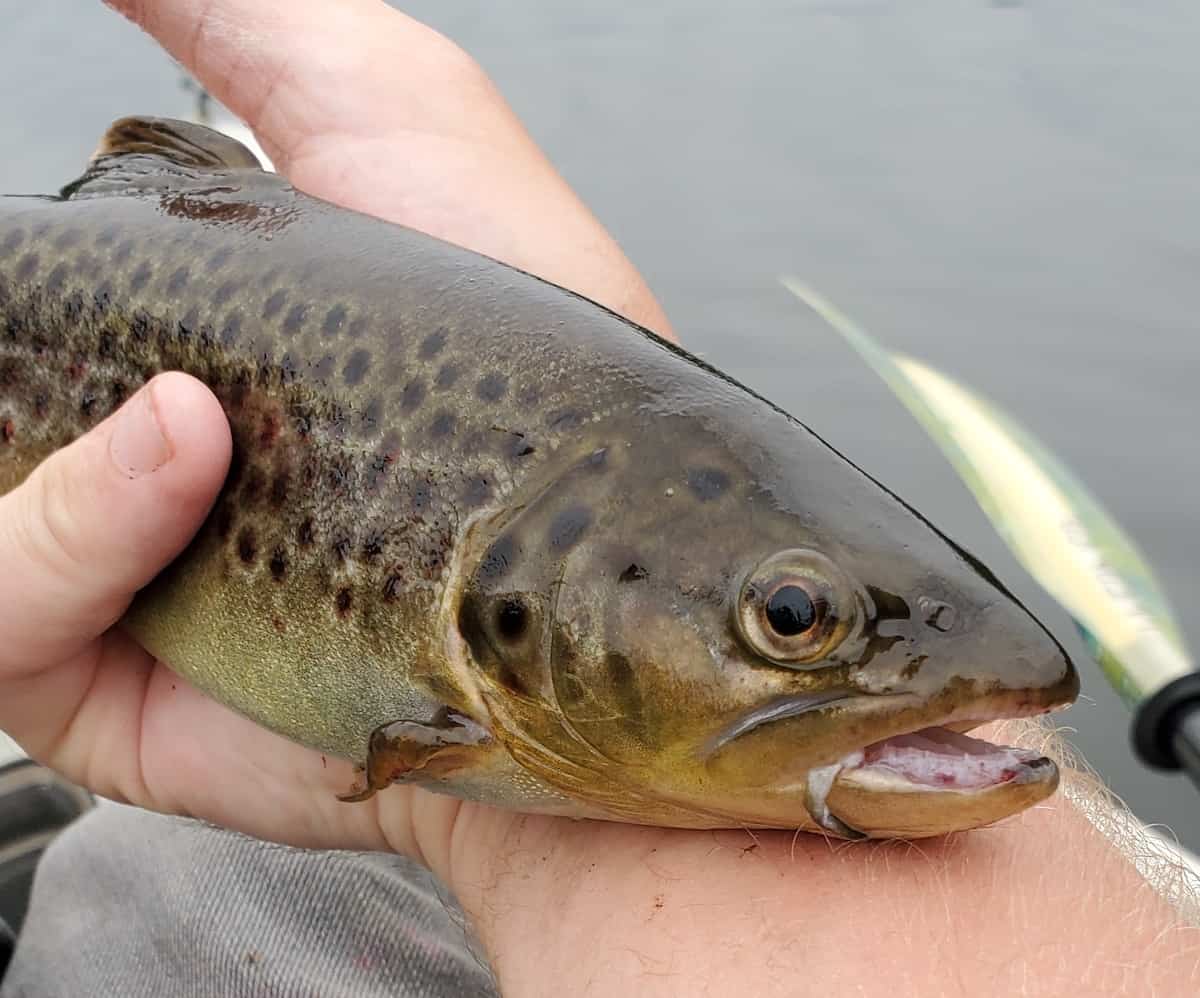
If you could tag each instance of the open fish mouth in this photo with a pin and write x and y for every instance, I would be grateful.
(925, 777)
(927, 782)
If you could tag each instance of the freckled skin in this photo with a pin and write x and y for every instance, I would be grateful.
(456, 487)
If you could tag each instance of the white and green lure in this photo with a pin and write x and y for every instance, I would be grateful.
(1056, 529)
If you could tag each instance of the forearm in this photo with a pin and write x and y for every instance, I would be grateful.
(1042, 905)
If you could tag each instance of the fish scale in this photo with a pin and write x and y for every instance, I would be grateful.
(481, 533)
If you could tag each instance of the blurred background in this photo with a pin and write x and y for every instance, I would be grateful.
(1007, 189)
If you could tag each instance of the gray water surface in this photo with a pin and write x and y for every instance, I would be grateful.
(1008, 190)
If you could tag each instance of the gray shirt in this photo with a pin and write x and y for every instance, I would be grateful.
(137, 905)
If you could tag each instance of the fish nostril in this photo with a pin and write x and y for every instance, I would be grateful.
(938, 615)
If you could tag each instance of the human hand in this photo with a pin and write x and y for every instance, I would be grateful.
(425, 140)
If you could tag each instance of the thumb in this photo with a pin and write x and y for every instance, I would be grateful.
(100, 518)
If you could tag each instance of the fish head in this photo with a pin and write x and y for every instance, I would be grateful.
(750, 631)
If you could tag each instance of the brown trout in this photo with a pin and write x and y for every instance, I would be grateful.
(483, 534)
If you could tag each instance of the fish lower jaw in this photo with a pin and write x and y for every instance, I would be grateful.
(927, 782)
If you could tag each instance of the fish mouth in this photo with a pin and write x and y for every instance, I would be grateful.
(926, 778)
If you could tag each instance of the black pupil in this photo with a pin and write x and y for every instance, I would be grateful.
(790, 611)
(510, 620)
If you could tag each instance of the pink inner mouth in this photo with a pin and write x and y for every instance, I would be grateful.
(939, 757)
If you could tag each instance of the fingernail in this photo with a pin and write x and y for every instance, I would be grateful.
(138, 445)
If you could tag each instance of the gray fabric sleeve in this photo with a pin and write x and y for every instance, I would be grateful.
(137, 905)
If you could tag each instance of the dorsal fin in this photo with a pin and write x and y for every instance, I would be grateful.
(133, 147)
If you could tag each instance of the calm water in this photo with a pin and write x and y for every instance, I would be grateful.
(1009, 190)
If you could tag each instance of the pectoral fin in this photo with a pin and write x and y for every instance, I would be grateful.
(434, 749)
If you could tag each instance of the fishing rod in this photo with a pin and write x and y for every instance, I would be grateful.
(1064, 538)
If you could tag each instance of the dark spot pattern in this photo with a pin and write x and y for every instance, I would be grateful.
(57, 278)
(446, 376)
(707, 484)
(11, 243)
(491, 387)
(178, 281)
(412, 396)
(224, 292)
(498, 560)
(342, 602)
(334, 319)
(278, 564)
(304, 533)
(568, 527)
(432, 345)
(141, 277)
(247, 546)
(27, 267)
(274, 304)
(392, 588)
(477, 492)
(443, 424)
(294, 321)
(356, 367)
(633, 573)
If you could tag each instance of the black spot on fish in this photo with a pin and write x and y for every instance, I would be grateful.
(279, 488)
(323, 368)
(422, 495)
(333, 320)
(372, 547)
(568, 526)
(223, 521)
(247, 546)
(393, 586)
(274, 304)
(187, 326)
(304, 533)
(11, 242)
(342, 602)
(443, 424)
(231, 330)
(620, 672)
(118, 392)
(432, 345)
(520, 447)
(633, 573)
(491, 387)
(341, 549)
(224, 292)
(356, 367)
(141, 277)
(707, 483)
(446, 376)
(218, 259)
(564, 420)
(295, 319)
(87, 403)
(141, 326)
(27, 267)
(73, 307)
(477, 492)
(178, 281)
(372, 413)
(278, 564)
(498, 560)
(102, 299)
(57, 278)
(412, 396)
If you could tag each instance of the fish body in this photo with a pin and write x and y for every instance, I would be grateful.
(484, 534)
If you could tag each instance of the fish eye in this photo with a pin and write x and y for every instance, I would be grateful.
(794, 608)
